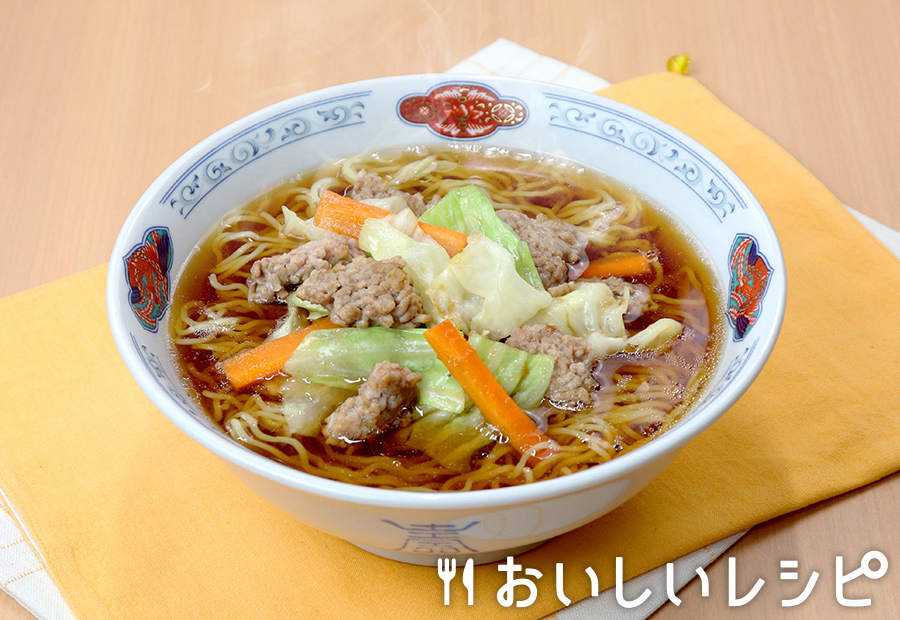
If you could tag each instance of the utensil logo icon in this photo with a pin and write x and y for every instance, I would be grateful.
(447, 570)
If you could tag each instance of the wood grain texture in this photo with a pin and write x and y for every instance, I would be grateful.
(98, 97)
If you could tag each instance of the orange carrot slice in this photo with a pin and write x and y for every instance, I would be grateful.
(633, 264)
(253, 365)
(495, 404)
(346, 216)
(451, 240)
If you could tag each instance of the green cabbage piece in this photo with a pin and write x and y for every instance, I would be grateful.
(305, 404)
(440, 391)
(469, 210)
(346, 355)
(296, 226)
(314, 311)
(328, 366)
(452, 439)
(449, 438)
(424, 261)
(291, 322)
(506, 363)
(522, 375)
(591, 312)
(656, 335)
(481, 292)
(594, 313)
(591, 307)
(533, 385)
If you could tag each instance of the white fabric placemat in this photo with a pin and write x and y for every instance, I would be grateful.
(22, 574)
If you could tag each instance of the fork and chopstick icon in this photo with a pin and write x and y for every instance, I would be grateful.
(447, 570)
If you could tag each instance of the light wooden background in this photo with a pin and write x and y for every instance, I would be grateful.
(97, 97)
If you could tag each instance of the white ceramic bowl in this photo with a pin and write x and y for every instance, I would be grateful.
(263, 149)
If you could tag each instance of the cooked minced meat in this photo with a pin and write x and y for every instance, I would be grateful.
(554, 244)
(270, 276)
(371, 185)
(570, 386)
(562, 289)
(638, 296)
(366, 292)
(381, 404)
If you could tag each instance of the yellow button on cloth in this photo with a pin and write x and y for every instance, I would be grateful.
(133, 520)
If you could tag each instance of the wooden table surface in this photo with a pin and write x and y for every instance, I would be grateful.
(97, 97)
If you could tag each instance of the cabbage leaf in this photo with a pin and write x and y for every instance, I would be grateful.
(449, 438)
(329, 365)
(346, 355)
(469, 210)
(593, 312)
(481, 292)
(296, 226)
(656, 335)
(314, 311)
(306, 404)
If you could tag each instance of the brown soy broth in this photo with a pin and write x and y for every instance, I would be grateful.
(198, 365)
(677, 253)
(545, 184)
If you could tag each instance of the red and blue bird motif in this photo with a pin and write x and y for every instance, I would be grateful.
(750, 275)
(147, 269)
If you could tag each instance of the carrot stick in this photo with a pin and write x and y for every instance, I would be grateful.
(495, 404)
(451, 240)
(258, 363)
(634, 264)
(346, 216)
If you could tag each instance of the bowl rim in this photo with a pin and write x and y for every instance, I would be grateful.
(621, 467)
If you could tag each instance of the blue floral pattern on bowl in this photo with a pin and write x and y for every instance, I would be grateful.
(259, 140)
(651, 143)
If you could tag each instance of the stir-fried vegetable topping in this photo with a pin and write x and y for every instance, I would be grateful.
(488, 395)
(469, 210)
(478, 284)
(266, 360)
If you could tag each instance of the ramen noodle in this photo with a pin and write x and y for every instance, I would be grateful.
(589, 306)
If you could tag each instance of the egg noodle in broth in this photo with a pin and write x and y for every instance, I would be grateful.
(600, 363)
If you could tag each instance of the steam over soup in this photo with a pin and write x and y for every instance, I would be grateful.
(482, 319)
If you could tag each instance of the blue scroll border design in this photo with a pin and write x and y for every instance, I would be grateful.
(733, 367)
(158, 372)
(651, 143)
(262, 138)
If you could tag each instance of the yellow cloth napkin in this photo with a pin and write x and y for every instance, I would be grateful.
(134, 520)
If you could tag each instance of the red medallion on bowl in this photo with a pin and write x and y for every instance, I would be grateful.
(463, 111)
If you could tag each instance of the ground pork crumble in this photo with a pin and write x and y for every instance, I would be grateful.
(571, 384)
(382, 404)
(554, 244)
(271, 277)
(366, 292)
(371, 185)
(333, 272)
